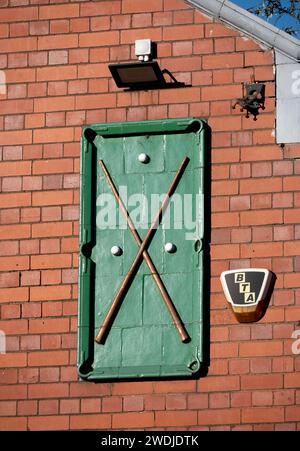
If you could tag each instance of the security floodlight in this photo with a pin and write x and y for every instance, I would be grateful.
(141, 75)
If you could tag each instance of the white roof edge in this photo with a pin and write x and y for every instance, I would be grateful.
(251, 25)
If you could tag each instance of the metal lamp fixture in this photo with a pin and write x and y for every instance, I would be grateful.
(145, 74)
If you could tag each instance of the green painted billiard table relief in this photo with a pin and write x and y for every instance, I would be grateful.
(141, 249)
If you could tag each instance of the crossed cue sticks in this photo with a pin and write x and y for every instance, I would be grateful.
(143, 254)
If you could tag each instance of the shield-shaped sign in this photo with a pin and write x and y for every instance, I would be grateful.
(247, 291)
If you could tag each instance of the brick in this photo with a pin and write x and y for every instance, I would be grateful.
(57, 88)
(13, 294)
(53, 135)
(51, 309)
(261, 218)
(100, 23)
(30, 215)
(38, 28)
(69, 406)
(81, 389)
(14, 45)
(190, 63)
(45, 198)
(27, 408)
(49, 325)
(51, 277)
(261, 250)
(183, 32)
(282, 200)
(51, 245)
(37, 59)
(34, 121)
(57, 12)
(10, 216)
(212, 93)
(12, 232)
(48, 407)
(9, 279)
(291, 380)
(59, 26)
(261, 186)
(259, 201)
(10, 311)
(53, 166)
(224, 45)
(11, 326)
(12, 153)
(48, 358)
(58, 57)
(291, 280)
(57, 42)
(292, 248)
(93, 71)
(262, 234)
(225, 219)
(13, 168)
(219, 400)
(49, 374)
(154, 402)
(50, 342)
(223, 250)
(51, 229)
(14, 122)
(239, 366)
(224, 187)
(291, 216)
(219, 416)
(262, 415)
(292, 151)
(50, 423)
(16, 137)
(47, 261)
(291, 183)
(222, 61)
(15, 30)
(238, 203)
(219, 384)
(224, 350)
(57, 72)
(94, 405)
(9, 376)
(79, 25)
(99, 421)
(19, 14)
(53, 104)
(15, 391)
(105, 8)
(98, 39)
(261, 381)
(292, 413)
(284, 397)
(225, 123)
(14, 263)
(111, 404)
(13, 360)
(50, 293)
(133, 403)
(13, 424)
(265, 348)
(93, 101)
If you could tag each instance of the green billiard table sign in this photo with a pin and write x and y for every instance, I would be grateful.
(142, 247)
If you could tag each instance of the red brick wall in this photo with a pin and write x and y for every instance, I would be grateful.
(55, 56)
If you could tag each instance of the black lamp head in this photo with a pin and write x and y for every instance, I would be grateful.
(142, 76)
